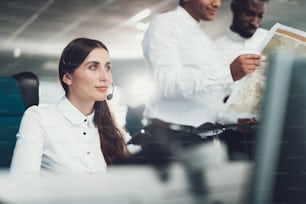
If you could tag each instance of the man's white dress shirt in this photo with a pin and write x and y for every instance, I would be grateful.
(231, 45)
(57, 138)
(185, 68)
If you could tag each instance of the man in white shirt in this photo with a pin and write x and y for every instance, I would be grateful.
(190, 80)
(244, 34)
(184, 66)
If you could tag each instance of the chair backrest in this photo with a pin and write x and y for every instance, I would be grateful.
(16, 94)
(28, 85)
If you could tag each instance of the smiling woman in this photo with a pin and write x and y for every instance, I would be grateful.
(78, 134)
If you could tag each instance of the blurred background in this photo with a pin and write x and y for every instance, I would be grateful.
(34, 32)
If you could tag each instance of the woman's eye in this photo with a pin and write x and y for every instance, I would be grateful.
(108, 67)
(92, 67)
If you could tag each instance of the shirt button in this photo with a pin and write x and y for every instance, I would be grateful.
(84, 133)
(88, 153)
(85, 120)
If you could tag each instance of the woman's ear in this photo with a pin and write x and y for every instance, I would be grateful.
(67, 79)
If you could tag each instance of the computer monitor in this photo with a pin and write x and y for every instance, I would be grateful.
(280, 157)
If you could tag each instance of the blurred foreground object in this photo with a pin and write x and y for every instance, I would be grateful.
(279, 173)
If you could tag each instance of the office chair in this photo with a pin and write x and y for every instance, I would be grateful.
(28, 85)
(17, 93)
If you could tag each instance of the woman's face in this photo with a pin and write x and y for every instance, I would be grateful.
(91, 80)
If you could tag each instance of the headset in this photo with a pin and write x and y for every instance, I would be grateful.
(110, 95)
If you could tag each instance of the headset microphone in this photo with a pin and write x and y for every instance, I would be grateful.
(110, 96)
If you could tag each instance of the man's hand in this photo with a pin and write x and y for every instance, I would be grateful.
(244, 64)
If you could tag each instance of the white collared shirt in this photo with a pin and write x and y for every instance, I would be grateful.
(231, 45)
(185, 68)
(57, 138)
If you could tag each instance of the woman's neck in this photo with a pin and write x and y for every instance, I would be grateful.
(84, 106)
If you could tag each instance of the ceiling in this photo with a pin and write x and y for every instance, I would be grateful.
(34, 32)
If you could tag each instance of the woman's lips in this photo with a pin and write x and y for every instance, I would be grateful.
(101, 88)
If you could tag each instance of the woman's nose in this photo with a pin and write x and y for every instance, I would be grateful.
(104, 75)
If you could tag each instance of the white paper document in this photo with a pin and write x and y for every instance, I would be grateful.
(246, 97)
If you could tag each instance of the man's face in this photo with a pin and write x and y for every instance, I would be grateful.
(202, 9)
(248, 17)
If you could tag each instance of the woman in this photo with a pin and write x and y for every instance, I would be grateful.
(77, 134)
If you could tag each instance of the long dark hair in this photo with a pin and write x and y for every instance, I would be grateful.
(112, 143)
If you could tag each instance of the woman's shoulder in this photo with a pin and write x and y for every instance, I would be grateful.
(41, 108)
(36, 116)
(40, 111)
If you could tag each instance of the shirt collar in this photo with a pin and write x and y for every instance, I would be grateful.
(187, 16)
(72, 114)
